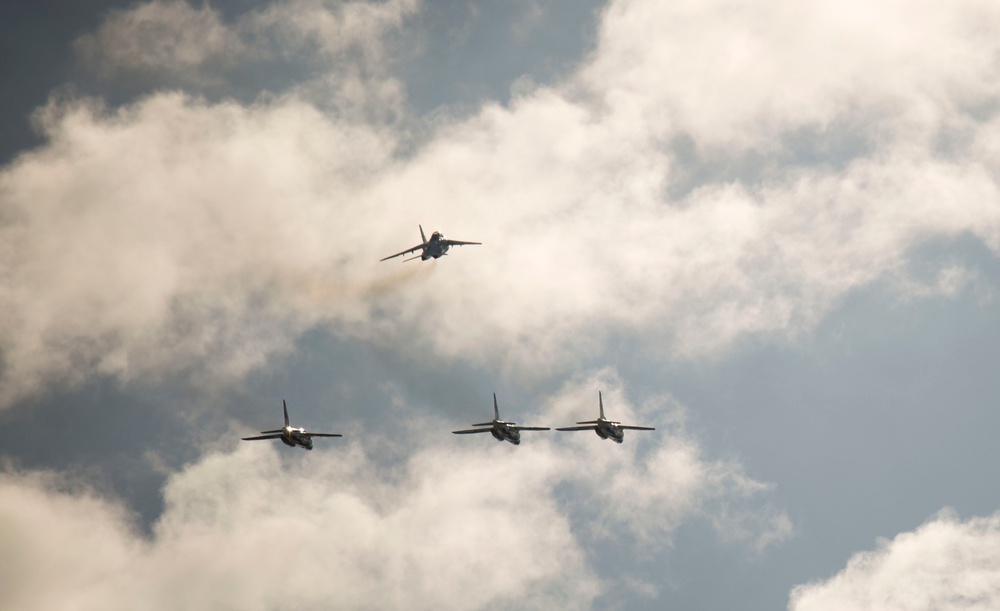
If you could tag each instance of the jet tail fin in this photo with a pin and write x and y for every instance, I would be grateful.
(285, 407)
(423, 238)
(601, 399)
(496, 410)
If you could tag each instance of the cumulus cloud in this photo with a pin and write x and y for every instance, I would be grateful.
(241, 531)
(683, 193)
(470, 524)
(944, 564)
(146, 239)
(739, 75)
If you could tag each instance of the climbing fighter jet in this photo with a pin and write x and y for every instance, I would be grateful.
(433, 248)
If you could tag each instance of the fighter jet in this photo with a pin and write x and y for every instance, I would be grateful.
(291, 436)
(433, 248)
(606, 429)
(501, 429)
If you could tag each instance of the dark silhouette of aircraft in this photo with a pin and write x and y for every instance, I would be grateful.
(606, 429)
(434, 248)
(291, 436)
(501, 429)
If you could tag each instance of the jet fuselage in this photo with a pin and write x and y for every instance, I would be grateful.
(502, 432)
(296, 437)
(610, 430)
(435, 248)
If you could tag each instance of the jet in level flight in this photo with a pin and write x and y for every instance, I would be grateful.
(606, 429)
(501, 429)
(291, 436)
(433, 248)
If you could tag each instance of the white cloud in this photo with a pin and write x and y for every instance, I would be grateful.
(736, 74)
(467, 524)
(944, 564)
(242, 531)
(659, 193)
(175, 234)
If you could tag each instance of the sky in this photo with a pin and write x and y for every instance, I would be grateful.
(769, 229)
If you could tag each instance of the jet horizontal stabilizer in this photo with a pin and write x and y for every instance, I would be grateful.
(482, 424)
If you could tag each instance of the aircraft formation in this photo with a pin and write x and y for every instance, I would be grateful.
(506, 431)
(502, 430)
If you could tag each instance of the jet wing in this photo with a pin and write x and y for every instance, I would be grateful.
(636, 428)
(470, 431)
(405, 252)
(592, 427)
(460, 243)
(272, 436)
(324, 434)
(530, 428)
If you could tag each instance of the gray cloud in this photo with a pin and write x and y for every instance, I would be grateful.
(174, 37)
(333, 53)
(944, 564)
